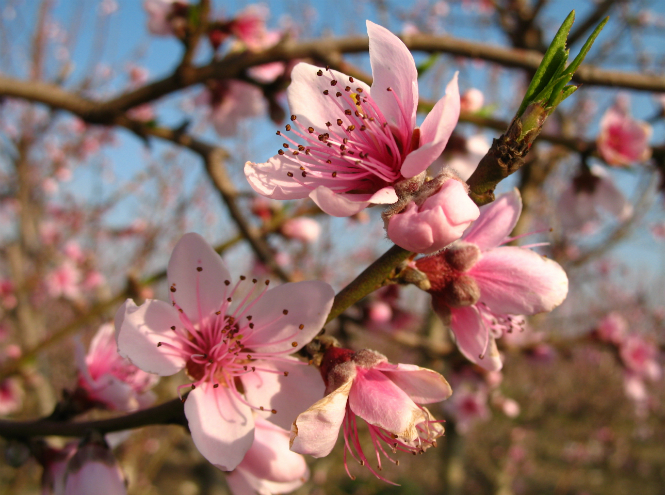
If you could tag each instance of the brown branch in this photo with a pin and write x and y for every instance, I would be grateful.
(171, 412)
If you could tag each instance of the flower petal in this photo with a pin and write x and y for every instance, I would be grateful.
(518, 281)
(306, 99)
(379, 401)
(142, 329)
(222, 427)
(306, 303)
(315, 431)
(288, 395)
(473, 338)
(269, 458)
(385, 196)
(197, 273)
(338, 205)
(129, 306)
(496, 221)
(269, 179)
(393, 67)
(435, 131)
(424, 386)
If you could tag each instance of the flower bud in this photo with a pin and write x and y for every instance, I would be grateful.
(438, 221)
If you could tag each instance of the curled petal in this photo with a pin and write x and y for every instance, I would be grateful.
(379, 401)
(518, 281)
(496, 221)
(315, 431)
(435, 131)
(143, 329)
(281, 311)
(473, 338)
(422, 385)
(222, 427)
(339, 205)
(196, 276)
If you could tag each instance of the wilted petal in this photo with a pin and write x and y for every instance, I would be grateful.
(315, 431)
(142, 329)
(222, 427)
(473, 338)
(518, 281)
(393, 67)
(288, 395)
(496, 221)
(279, 313)
(435, 131)
(379, 401)
(198, 292)
(422, 385)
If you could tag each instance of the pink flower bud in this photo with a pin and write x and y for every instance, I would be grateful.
(472, 100)
(91, 468)
(301, 228)
(622, 139)
(440, 220)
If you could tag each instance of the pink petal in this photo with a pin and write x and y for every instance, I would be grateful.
(411, 231)
(114, 393)
(518, 281)
(435, 131)
(129, 306)
(380, 402)
(93, 475)
(222, 427)
(143, 329)
(307, 303)
(288, 395)
(472, 338)
(306, 99)
(385, 196)
(269, 458)
(315, 431)
(269, 179)
(338, 205)
(198, 292)
(497, 220)
(422, 385)
(393, 67)
(242, 482)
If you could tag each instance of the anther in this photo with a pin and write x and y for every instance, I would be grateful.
(348, 88)
(280, 152)
(293, 118)
(329, 162)
(173, 328)
(218, 313)
(319, 72)
(296, 153)
(180, 309)
(325, 92)
(294, 344)
(228, 299)
(249, 317)
(304, 174)
(389, 88)
(267, 282)
(215, 385)
(340, 121)
(193, 386)
(242, 277)
(274, 411)
(311, 130)
(333, 82)
(362, 128)
(350, 79)
(290, 174)
(286, 373)
(172, 289)
(285, 312)
(261, 408)
(279, 133)
(159, 344)
(348, 112)
(287, 127)
(199, 269)
(286, 145)
(351, 128)
(338, 94)
(334, 174)
(251, 325)
(301, 326)
(328, 124)
(359, 90)
(254, 280)
(301, 147)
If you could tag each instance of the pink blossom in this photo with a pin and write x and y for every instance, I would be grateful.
(232, 339)
(441, 219)
(472, 100)
(359, 142)
(93, 466)
(269, 466)
(11, 396)
(640, 356)
(479, 285)
(589, 194)
(468, 405)
(301, 228)
(379, 312)
(7, 295)
(161, 15)
(232, 101)
(613, 328)
(623, 140)
(249, 26)
(110, 379)
(387, 396)
(93, 279)
(64, 281)
(73, 251)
